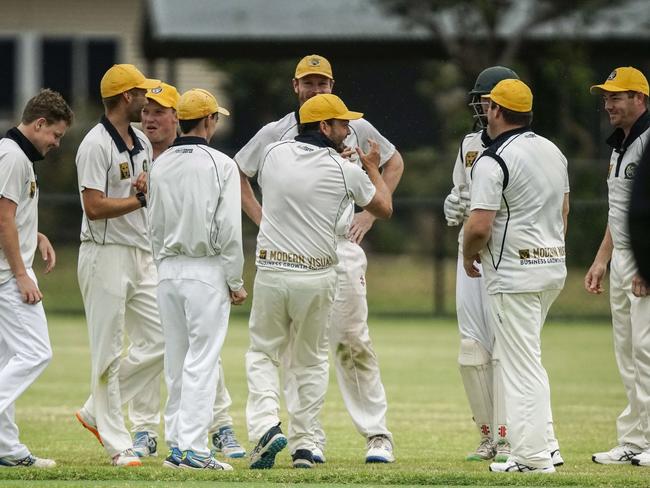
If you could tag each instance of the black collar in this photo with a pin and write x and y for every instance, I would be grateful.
(501, 138)
(117, 138)
(188, 140)
(618, 140)
(25, 144)
(315, 138)
(485, 138)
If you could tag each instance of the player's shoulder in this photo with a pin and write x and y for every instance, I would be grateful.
(279, 129)
(11, 154)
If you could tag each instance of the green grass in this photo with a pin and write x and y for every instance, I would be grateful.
(428, 415)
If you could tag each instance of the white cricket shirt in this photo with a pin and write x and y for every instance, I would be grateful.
(623, 163)
(251, 155)
(105, 163)
(18, 184)
(526, 251)
(194, 206)
(307, 188)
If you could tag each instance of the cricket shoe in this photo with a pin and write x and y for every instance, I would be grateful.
(194, 461)
(622, 454)
(126, 458)
(511, 466)
(502, 451)
(380, 450)
(484, 452)
(271, 443)
(225, 442)
(173, 459)
(145, 444)
(302, 458)
(556, 458)
(28, 461)
(642, 459)
(88, 421)
(318, 455)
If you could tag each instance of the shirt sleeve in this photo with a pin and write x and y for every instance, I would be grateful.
(458, 176)
(13, 177)
(250, 156)
(487, 184)
(364, 130)
(92, 166)
(359, 186)
(228, 225)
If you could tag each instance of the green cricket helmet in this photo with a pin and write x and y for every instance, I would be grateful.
(485, 81)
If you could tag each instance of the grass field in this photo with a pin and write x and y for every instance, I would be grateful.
(428, 415)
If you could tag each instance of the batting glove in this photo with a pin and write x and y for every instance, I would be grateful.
(455, 207)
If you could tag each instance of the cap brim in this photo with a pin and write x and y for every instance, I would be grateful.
(148, 84)
(302, 75)
(159, 101)
(349, 115)
(223, 111)
(606, 88)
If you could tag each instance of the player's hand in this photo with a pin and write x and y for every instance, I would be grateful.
(347, 152)
(594, 278)
(370, 160)
(456, 206)
(470, 266)
(639, 286)
(238, 297)
(29, 291)
(361, 224)
(141, 182)
(47, 252)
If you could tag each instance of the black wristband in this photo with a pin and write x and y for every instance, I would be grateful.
(141, 198)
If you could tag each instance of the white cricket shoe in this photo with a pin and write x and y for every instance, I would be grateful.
(622, 454)
(511, 466)
(642, 459)
(556, 458)
(318, 455)
(144, 444)
(28, 461)
(126, 458)
(380, 450)
(483, 452)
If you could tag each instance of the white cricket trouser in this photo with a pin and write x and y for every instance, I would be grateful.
(296, 305)
(144, 408)
(631, 326)
(519, 318)
(472, 308)
(24, 353)
(194, 303)
(355, 362)
(118, 286)
(222, 403)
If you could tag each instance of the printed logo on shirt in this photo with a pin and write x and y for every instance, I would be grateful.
(262, 254)
(470, 157)
(145, 166)
(286, 259)
(32, 189)
(542, 255)
(125, 174)
(630, 171)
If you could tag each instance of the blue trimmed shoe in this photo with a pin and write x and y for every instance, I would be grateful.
(225, 442)
(145, 444)
(173, 459)
(193, 461)
(28, 461)
(271, 443)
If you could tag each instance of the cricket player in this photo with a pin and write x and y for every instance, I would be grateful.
(478, 367)
(308, 188)
(24, 342)
(516, 228)
(117, 276)
(160, 124)
(625, 97)
(355, 361)
(195, 226)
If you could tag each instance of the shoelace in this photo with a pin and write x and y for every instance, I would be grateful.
(379, 442)
(227, 437)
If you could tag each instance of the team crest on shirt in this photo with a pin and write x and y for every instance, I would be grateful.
(125, 174)
(262, 254)
(32, 189)
(470, 157)
(630, 171)
(145, 166)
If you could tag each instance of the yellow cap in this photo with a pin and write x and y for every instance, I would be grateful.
(314, 65)
(165, 95)
(123, 77)
(325, 107)
(513, 95)
(623, 79)
(198, 103)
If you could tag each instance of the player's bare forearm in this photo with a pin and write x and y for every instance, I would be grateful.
(478, 229)
(249, 203)
(565, 212)
(9, 237)
(381, 205)
(604, 254)
(594, 277)
(98, 206)
(392, 170)
(47, 252)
